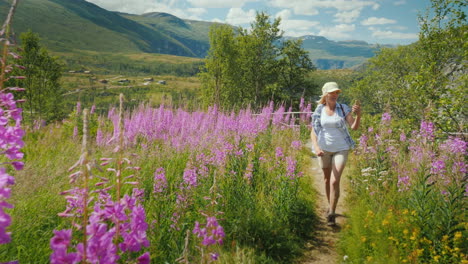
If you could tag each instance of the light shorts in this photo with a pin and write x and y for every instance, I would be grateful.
(338, 158)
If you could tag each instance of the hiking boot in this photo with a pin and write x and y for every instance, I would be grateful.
(331, 220)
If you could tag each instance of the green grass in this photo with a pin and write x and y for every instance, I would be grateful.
(266, 221)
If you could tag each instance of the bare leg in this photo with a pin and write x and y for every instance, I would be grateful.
(337, 170)
(326, 178)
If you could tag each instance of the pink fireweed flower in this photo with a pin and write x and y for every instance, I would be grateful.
(403, 183)
(386, 118)
(78, 107)
(460, 167)
(212, 233)
(455, 146)
(134, 232)
(402, 137)
(438, 168)
(59, 245)
(427, 130)
(291, 168)
(93, 108)
(190, 177)
(144, 259)
(249, 172)
(239, 153)
(363, 141)
(279, 152)
(296, 144)
(214, 256)
(160, 181)
(249, 147)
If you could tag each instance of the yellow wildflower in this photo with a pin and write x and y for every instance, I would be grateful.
(363, 239)
(436, 258)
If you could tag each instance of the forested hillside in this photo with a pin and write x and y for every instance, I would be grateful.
(76, 26)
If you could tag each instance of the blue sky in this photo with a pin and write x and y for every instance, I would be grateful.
(374, 21)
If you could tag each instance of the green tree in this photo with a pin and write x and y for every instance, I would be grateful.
(442, 77)
(218, 79)
(294, 65)
(425, 80)
(252, 67)
(44, 100)
(258, 58)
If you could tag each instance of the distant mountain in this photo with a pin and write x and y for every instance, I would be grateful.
(72, 25)
(67, 25)
(328, 54)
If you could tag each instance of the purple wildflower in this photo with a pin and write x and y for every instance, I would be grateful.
(279, 152)
(296, 144)
(460, 166)
(363, 141)
(386, 118)
(78, 107)
(214, 256)
(160, 181)
(190, 177)
(402, 137)
(59, 245)
(427, 130)
(291, 167)
(454, 145)
(403, 181)
(249, 171)
(211, 234)
(438, 168)
(144, 259)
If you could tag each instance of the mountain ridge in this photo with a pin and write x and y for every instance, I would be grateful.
(67, 25)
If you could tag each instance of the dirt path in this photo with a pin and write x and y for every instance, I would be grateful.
(322, 250)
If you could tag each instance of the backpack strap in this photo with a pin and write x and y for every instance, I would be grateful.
(342, 111)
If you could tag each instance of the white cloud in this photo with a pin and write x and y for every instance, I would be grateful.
(197, 11)
(377, 21)
(347, 16)
(217, 20)
(144, 6)
(311, 7)
(394, 35)
(237, 16)
(219, 3)
(297, 25)
(341, 31)
(400, 28)
(401, 2)
(283, 14)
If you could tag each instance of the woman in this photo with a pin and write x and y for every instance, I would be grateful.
(331, 140)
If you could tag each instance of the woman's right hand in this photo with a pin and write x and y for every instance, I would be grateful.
(318, 151)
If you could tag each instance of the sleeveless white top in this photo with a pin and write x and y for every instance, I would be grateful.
(332, 138)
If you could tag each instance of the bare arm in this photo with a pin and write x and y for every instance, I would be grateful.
(354, 122)
(313, 137)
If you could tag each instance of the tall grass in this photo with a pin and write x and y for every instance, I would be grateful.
(225, 186)
(408, 197)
